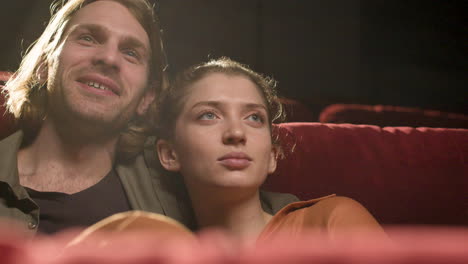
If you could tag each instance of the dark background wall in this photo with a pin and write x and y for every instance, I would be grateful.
(406, 53)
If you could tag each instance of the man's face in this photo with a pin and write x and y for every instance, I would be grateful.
(100, 72)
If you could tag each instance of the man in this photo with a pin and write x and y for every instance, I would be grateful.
(84, 98)
(81, 97)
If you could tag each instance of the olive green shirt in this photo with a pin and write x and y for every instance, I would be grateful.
(146, 188)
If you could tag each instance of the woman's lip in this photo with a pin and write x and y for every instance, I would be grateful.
(235, 163)
(236, 155)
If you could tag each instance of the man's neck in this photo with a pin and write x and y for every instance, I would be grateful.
(60, 161)
(243, 218)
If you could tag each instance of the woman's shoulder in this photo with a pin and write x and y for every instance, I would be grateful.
(334, 215)
(331, 207)
(339, 204)
(342, 213)
(329, 211)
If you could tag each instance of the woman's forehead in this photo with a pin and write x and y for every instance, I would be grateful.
(225, 87)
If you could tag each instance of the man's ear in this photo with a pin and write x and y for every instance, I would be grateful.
(167, 156)
(146, 100)
(42, 72)
(273, 155)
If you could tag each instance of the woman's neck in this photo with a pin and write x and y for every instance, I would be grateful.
(242, 217)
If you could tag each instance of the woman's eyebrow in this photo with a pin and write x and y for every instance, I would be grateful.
(207, 103)
(218, 104)
(255, 106)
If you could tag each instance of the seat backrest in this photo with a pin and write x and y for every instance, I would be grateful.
(296, 111)
(402, 175)
(386, 115)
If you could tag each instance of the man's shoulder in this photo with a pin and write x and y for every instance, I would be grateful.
(12, 141)
(8, 155)
(150, 189)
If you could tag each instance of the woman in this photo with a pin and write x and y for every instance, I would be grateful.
(214, 128)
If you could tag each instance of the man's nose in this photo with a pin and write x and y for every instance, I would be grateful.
(234, 134)
(108, 56)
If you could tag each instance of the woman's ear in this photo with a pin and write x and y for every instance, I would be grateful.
(273, 156)
(167, 156)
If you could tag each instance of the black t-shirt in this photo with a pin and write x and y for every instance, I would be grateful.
(59, 211)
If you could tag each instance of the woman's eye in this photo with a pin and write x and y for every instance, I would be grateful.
(207, 116)
(256, 118)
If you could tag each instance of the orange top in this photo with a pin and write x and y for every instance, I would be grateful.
(330, 214)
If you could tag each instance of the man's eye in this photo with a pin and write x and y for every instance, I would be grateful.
(131, 53)
(87, 38)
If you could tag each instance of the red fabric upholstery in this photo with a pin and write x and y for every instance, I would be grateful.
(411, 246)
(402, 175)
(382, 115)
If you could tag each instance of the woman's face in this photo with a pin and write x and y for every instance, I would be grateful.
(222, 136)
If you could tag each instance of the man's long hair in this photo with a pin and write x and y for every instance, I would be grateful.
(26, 91)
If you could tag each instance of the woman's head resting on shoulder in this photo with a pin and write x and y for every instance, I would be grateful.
(214, 126)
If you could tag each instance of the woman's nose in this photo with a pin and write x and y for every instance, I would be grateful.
(234, 134)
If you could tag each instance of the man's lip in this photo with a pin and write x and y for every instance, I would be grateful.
(109, 83)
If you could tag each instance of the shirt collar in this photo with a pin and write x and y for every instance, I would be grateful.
(9, 162)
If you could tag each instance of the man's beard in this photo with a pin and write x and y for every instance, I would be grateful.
(68, 114)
